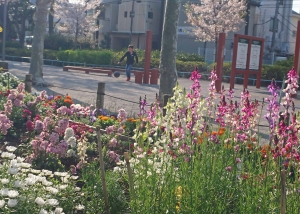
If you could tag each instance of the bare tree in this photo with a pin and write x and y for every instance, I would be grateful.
(167, 66)
(209, 18)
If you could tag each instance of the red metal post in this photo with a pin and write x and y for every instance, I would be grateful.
(297, 50)
(147, 56)
(233, 65)
(220, 59)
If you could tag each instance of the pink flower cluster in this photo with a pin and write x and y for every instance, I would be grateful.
(16, 96)
(5, 124)
(79, 110)
(113, 156)
(63, 110)
(122, 116)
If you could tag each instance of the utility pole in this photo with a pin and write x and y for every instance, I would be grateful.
(275, 27)
(4, 30)
(131, 21)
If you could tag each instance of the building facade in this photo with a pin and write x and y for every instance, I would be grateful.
(293, 29)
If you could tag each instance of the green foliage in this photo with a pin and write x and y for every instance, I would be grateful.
(103, 57)
(58, 42)
(226, 68)
(104, 121)
(93, 200)
(186, 57)
(11, 44)
(189, 66)
(23, 52)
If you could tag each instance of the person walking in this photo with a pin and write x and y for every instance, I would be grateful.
(130, 54)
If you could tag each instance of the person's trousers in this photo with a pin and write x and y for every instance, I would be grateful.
(128, 70)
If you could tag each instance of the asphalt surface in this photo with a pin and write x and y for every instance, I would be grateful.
(83, 89)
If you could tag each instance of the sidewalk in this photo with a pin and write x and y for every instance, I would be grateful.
(83, 87)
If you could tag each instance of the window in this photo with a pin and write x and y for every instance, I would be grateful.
(280, 2)
(150, 15)
(273, 26)
(125, 14)
(294, 33)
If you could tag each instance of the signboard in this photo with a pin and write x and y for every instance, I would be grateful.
(242, 51)
(247, 58)
(1, 29)
(255, 55)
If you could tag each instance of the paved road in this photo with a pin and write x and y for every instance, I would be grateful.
(82, 87)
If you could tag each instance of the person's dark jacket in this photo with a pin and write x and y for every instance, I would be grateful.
(130, 58)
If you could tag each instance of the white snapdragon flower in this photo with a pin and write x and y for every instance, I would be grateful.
(52, 202)
(39, 201)
(11, 148)
(72, 141)
(71, 153)
(68, 133)
(13, 193)
(12, 202)
(4, 181)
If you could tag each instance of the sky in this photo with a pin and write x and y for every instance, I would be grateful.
(296, 5)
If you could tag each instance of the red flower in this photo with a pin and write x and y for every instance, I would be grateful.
(29, 125)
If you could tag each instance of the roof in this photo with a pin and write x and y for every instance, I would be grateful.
(294, 12)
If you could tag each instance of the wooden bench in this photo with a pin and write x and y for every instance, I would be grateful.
(87, 70)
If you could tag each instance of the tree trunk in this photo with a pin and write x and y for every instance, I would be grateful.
(167, 66)
(51, 18)
(22, 31)
(37, 50)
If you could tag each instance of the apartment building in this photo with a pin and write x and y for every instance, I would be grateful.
(116, 22)
(264, 26)
(148, 15)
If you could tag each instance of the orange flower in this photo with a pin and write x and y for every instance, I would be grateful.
(58, 97)
(68, 97)
(214, 133)
(264, 150)
(200, 140)
(105, 118)
(250, 146)
(221, 131)
(113, 117)
(205, 134)
(68, 101)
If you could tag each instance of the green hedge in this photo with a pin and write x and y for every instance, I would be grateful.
(24, 52)
(103, 57)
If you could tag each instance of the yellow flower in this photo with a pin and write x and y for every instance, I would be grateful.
(178, 192)
(104, 118)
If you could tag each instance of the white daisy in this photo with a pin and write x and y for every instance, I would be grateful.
(12, 202)
(4, 181)
(39, 201)
(52, 202)
(13, 193)
(11, 148)
(2, 203)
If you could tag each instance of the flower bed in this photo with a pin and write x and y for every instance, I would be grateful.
(203, 156)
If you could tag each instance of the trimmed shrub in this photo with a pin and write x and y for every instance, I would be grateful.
(189, 66)
(187, 57)
(103, 57)
(226, 68)
(58, 42)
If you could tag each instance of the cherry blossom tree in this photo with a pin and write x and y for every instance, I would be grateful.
(211, 17)
(78, 17)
